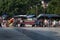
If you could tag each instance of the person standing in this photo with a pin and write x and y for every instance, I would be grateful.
(46, 22)
(1, 21)
(22, 23)
(11, 22)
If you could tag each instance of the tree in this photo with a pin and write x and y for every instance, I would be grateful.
(54, 7)
(15, 7)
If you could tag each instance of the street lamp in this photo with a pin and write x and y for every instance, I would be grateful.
(44, 5)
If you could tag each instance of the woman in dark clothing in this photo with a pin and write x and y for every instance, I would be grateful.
(0, 25)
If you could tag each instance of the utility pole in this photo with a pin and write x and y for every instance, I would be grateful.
(36, 10)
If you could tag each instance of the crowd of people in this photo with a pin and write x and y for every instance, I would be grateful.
(11, 22)
(20, 23)
(48, 23)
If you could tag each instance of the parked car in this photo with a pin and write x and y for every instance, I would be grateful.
(30, 21)
(27, 20)
(48, 17)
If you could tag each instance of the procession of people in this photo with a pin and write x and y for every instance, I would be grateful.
(43, 20)
(20, 23)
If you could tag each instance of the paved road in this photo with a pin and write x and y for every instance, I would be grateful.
(12, 34)
(29, 33)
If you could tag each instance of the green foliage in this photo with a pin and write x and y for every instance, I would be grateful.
(54, 7)
(15, 7)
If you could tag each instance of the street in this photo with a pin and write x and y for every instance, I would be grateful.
(37, 33)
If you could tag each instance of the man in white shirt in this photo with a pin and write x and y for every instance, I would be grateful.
(46, 22)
